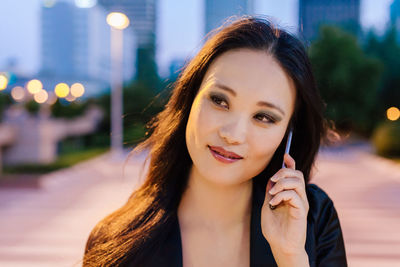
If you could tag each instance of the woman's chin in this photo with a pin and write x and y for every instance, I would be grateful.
(224, 180)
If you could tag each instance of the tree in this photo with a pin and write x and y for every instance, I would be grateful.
(347, 78)
(388, 51)
(146, 66)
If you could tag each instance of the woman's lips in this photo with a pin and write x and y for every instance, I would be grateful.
(221, 158)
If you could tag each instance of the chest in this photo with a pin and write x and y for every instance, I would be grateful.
(210, 248)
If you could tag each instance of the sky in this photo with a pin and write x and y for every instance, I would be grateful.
(180, 27)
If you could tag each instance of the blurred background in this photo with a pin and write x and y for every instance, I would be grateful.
(80, 79)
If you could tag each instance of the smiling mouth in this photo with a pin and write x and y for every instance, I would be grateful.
(219, 154)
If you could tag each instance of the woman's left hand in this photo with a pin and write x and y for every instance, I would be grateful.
(285, 227)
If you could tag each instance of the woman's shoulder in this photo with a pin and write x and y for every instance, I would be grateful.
(317, 197)
(325, 229)
(322, 209)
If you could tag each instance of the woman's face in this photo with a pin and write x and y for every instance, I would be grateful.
(243, 106)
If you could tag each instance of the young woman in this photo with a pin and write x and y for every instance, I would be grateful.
(216, 193)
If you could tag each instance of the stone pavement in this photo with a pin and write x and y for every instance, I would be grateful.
(49, 226)
(366, 192)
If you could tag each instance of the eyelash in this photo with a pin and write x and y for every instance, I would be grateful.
(217, 100)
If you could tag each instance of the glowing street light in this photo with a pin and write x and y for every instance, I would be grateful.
(393, 113)
(3, 81)
(61, 90)
(118, 21)
(34, 86)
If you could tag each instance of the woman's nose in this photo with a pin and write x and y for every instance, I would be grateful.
(234, 132)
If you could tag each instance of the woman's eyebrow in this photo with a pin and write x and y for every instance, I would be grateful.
(259, 103)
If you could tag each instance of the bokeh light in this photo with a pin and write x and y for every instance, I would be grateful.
(70, 98)
(18, 93)
(393, 113)
(52, 99)
(117, 20)
(77, 89)
(85, 3)
(41, 96)
(3, 81)
(34, 86)
(61, 90)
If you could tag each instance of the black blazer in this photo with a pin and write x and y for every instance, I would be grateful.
(324, 242)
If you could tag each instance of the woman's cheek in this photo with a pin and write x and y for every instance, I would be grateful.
(264, 146)
(209, 117)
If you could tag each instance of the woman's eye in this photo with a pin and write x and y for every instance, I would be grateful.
(265, 118)
(218, 100)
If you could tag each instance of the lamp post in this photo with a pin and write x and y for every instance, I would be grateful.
(118, 22)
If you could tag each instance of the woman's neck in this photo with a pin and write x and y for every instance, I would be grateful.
(212, 205)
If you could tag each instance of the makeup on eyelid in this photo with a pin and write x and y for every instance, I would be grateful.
(221, 97)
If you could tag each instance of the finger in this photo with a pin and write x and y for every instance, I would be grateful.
(290, 197)
(270, 185)
(290, 183)
(289, 161)
(285, 172)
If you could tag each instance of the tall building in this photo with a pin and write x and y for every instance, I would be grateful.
(216, 12)
(57, 47)
(395, 17)
(141, 13)
(314, 13)
(76, 46)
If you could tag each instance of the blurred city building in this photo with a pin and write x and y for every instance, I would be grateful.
(217, 11)
(395, 17)
(314, 13)
(141, 13)
(142, 16)
(76, 47)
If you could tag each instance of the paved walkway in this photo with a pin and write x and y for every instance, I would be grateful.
(366, 192)
(49, 226)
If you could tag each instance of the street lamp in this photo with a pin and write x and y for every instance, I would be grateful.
(118, 22)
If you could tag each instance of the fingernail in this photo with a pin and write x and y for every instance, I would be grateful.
(271, 192)
(274, 178)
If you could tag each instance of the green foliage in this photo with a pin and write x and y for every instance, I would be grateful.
(32, 107)
(64, 161)
(5, 101)
(386, 138)
(146, 67)
(140, 104)
(387, 50)
(347, 78)
(134, 134)
(64, 109)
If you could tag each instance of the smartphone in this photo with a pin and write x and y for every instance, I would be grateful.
(287, 149)
(288, 143)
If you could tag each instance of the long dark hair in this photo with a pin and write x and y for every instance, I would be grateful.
(135, 231)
